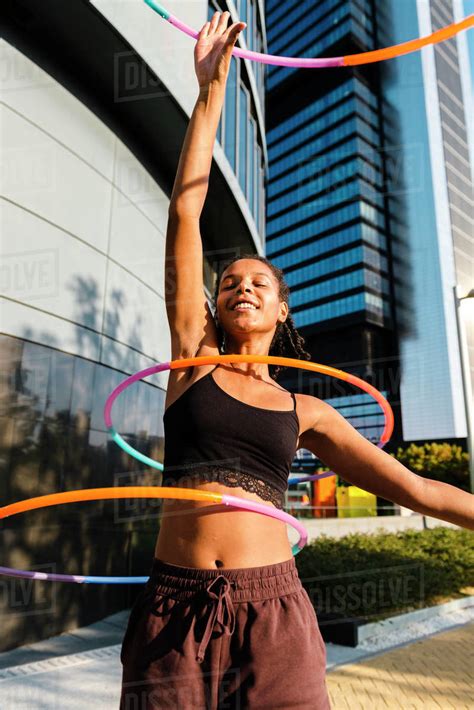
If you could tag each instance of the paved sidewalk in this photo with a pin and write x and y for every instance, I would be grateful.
(436, 672)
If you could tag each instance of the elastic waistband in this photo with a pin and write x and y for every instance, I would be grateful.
(245, 583)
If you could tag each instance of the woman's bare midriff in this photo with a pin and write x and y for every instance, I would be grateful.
(207, 535)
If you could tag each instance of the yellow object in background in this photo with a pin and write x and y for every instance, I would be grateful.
(353, 502)
(342, 500)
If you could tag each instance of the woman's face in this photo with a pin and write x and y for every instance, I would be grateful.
(252, 281)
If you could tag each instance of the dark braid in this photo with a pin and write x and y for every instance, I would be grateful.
(287, 342)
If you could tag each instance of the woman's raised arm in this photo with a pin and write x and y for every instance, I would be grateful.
(189, 317)
(336, 442)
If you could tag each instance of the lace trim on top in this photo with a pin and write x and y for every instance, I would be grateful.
(237, 479)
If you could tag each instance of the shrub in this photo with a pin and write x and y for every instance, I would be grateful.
(367, 575)
(442, 462)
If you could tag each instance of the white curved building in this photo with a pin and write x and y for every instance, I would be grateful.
(96, 100)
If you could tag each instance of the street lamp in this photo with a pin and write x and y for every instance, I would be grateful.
(466, 380)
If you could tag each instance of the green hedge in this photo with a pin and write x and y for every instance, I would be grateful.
(441, 462)
(371, 576)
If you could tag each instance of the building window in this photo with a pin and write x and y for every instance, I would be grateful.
(237, 130)
(243, 123)
(230, 126)
(252, 156)
(250, 25)
(256, 183)
(242, 13)
(257, 188)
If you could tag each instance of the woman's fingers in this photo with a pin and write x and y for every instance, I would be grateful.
(234, 31)
(204, 30)
(214, 23)
(222, 26)
(218, 26)
(218, 23)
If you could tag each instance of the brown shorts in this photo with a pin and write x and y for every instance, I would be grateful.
(231, 638)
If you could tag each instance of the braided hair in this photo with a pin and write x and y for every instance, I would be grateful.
(287, 342)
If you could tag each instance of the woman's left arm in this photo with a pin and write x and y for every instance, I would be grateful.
(339, 445)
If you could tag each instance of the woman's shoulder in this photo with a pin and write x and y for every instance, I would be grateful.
(305, 400)
(309, 408)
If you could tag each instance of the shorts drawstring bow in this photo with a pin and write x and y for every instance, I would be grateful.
(223, 607)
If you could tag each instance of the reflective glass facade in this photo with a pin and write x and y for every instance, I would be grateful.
(327, 222)
(370, 201)
(362, 412)
(53, 439)
(295, 31)
(326, 187)
(55, 401)
(457, 159)
(431, 208)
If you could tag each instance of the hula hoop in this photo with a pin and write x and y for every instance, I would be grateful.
(136, 492)
(350, 60)
(265, 359)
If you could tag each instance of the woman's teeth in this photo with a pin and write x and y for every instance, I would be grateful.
(245, 308)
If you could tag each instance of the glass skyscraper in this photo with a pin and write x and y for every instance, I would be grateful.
(326, 209)
(431, 202)
(369, 205)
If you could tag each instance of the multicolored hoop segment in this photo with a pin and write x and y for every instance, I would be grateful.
(136, 492)
(263, 359)
(349, 60)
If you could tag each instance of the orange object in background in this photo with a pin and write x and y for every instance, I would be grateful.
(324, 498)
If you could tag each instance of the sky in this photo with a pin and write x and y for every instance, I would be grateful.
(469, 10)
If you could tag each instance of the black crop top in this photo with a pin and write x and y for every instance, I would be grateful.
(212, 435)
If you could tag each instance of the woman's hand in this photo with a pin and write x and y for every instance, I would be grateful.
(213, 49)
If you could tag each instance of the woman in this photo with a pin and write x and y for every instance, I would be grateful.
(223, 621)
